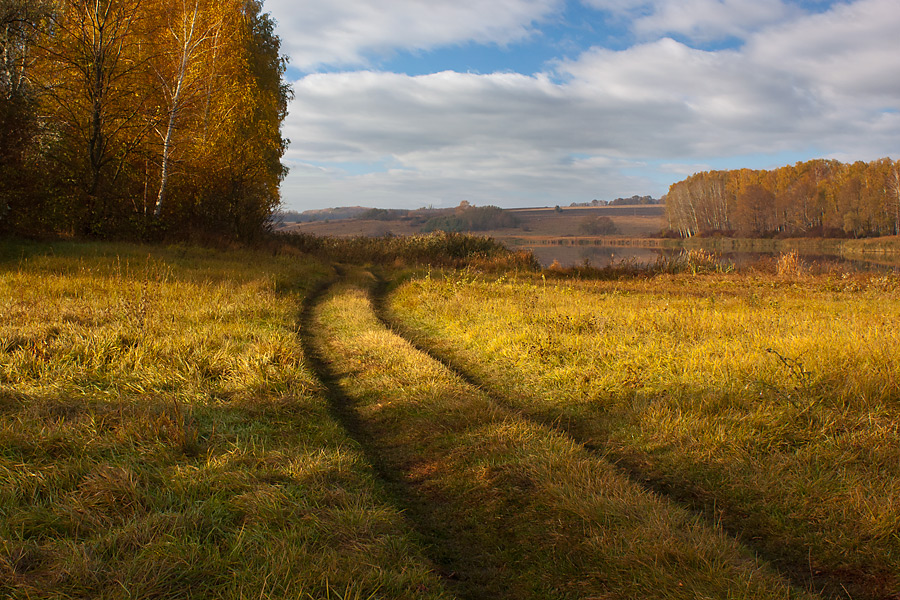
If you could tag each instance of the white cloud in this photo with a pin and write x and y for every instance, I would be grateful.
(684, 170)
(712, 19)
(848, 54)
(451, 136)
(585, 130)
(344, 32)
(701, 20)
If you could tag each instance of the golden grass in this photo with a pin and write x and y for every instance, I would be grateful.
(768, 401)
(516, 509)
(161, 435)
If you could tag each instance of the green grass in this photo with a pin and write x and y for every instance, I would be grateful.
(513, 508)
(162, 435)
(768, 401)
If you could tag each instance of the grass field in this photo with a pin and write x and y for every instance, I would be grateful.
(186, 423)
(768, 402)
(514, 508)
(162, 436)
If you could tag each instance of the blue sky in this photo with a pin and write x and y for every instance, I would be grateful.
(409, 103)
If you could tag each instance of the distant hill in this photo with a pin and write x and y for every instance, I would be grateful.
(630, 220)
(324, 214)
(421, 215)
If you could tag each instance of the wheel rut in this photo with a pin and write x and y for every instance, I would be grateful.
(507, 505)
(800, 575)
(341, 409)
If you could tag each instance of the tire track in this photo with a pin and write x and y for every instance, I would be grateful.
(800, 575)
(341, 409)
(451, 464)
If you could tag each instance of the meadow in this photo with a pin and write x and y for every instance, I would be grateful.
(436, 417)
(766, 401)
(162, 435)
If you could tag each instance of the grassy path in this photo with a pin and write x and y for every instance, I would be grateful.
(555, 421)
(511, 508)
(163, 436)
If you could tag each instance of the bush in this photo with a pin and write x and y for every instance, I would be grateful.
(598, 226)
(472, 218)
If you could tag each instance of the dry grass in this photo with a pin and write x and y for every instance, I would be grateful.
(514, 508)
(769, 401)
(161, 435)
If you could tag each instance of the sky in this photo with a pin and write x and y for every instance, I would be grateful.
(412, 103)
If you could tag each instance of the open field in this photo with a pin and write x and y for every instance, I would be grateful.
(186, 423)
(535, 224)
(767, 402)
(631, 221)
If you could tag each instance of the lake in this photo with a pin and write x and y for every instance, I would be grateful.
(601, 253)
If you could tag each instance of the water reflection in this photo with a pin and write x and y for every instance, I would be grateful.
(567, 255)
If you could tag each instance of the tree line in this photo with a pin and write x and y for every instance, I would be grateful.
(139, 117)
(466, 217)
(816, 198)
(639, 200)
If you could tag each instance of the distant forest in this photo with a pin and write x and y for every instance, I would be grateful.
(123, 118)
(823, 198)
(633, 200)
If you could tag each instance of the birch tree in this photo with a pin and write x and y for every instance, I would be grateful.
(21, 22)
(185, 67)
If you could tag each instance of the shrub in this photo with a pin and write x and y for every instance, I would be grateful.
(598, 226)
(472, 218)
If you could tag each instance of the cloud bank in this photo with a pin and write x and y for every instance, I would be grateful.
(604, 124)
(348, 32)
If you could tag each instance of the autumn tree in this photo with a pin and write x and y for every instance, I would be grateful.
(755, 210)
(819, 197)
(20, 24)
(148, 117)
(230, 182)
(99, 96)
(893, 186)
(185, 63)
(699, 204)
(597, 226)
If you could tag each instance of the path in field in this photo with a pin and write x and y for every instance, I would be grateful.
(508, 507)
(801, 576)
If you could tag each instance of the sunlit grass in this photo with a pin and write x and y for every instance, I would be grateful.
(161, 435)
(768, 400)
(517, 509)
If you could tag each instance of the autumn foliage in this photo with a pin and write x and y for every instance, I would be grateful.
(819, 197)
(139, 117)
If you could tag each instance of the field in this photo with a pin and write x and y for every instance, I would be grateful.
(766, 402)
(302, 422)
(162, 436)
